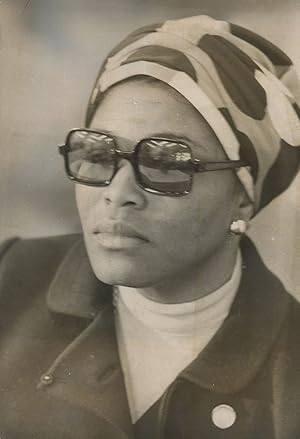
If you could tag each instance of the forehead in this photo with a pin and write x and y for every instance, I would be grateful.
(136, 109)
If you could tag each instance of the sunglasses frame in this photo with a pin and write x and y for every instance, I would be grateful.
(195, 165)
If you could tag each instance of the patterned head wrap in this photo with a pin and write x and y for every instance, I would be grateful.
(245, 87)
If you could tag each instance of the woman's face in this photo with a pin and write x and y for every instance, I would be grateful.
(139, 239)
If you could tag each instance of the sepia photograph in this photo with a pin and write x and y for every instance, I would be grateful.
(150, 219)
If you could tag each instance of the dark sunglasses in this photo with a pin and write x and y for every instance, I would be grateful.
(161, 166)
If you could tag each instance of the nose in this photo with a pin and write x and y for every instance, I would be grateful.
(123, 190)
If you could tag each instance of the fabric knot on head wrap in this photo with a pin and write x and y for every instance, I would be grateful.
(245, 87)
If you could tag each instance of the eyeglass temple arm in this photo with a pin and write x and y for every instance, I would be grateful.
(62, 149)
(200, 166)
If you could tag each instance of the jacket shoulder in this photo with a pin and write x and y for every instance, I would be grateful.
(5, 245)
(27, 266)
(18, 247)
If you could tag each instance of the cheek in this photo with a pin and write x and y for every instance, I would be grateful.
(210, 207)
(85, 200)
(216, 192)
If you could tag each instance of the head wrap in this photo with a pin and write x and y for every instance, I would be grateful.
(245, 87)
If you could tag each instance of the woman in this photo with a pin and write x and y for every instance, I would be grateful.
(170, 326)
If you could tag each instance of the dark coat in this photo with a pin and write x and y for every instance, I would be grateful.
(60, 374)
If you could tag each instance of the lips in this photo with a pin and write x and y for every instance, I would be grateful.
(118, 235)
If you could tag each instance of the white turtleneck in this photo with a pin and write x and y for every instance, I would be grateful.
(157, 341)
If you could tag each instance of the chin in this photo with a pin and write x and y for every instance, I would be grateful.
(122, 271)
(126, 278)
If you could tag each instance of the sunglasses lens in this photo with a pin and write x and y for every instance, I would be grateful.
(91, 156)
(164, 166)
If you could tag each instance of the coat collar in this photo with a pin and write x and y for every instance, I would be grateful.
(75, 290)
(236, 352)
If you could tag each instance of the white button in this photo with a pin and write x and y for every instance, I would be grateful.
(223, 416)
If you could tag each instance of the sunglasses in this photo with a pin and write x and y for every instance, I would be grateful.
(161, 166)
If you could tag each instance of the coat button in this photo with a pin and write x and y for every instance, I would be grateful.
(223, 416)
(47, 379)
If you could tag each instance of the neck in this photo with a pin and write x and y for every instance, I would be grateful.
(197, 282)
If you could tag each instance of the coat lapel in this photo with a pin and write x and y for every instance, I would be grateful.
(240, 347)
(88, 373)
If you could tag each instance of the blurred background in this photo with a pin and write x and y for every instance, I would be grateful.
(50, 54)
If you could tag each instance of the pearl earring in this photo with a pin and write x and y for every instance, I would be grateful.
(238, 227)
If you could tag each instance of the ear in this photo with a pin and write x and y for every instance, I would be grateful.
(245, 208)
